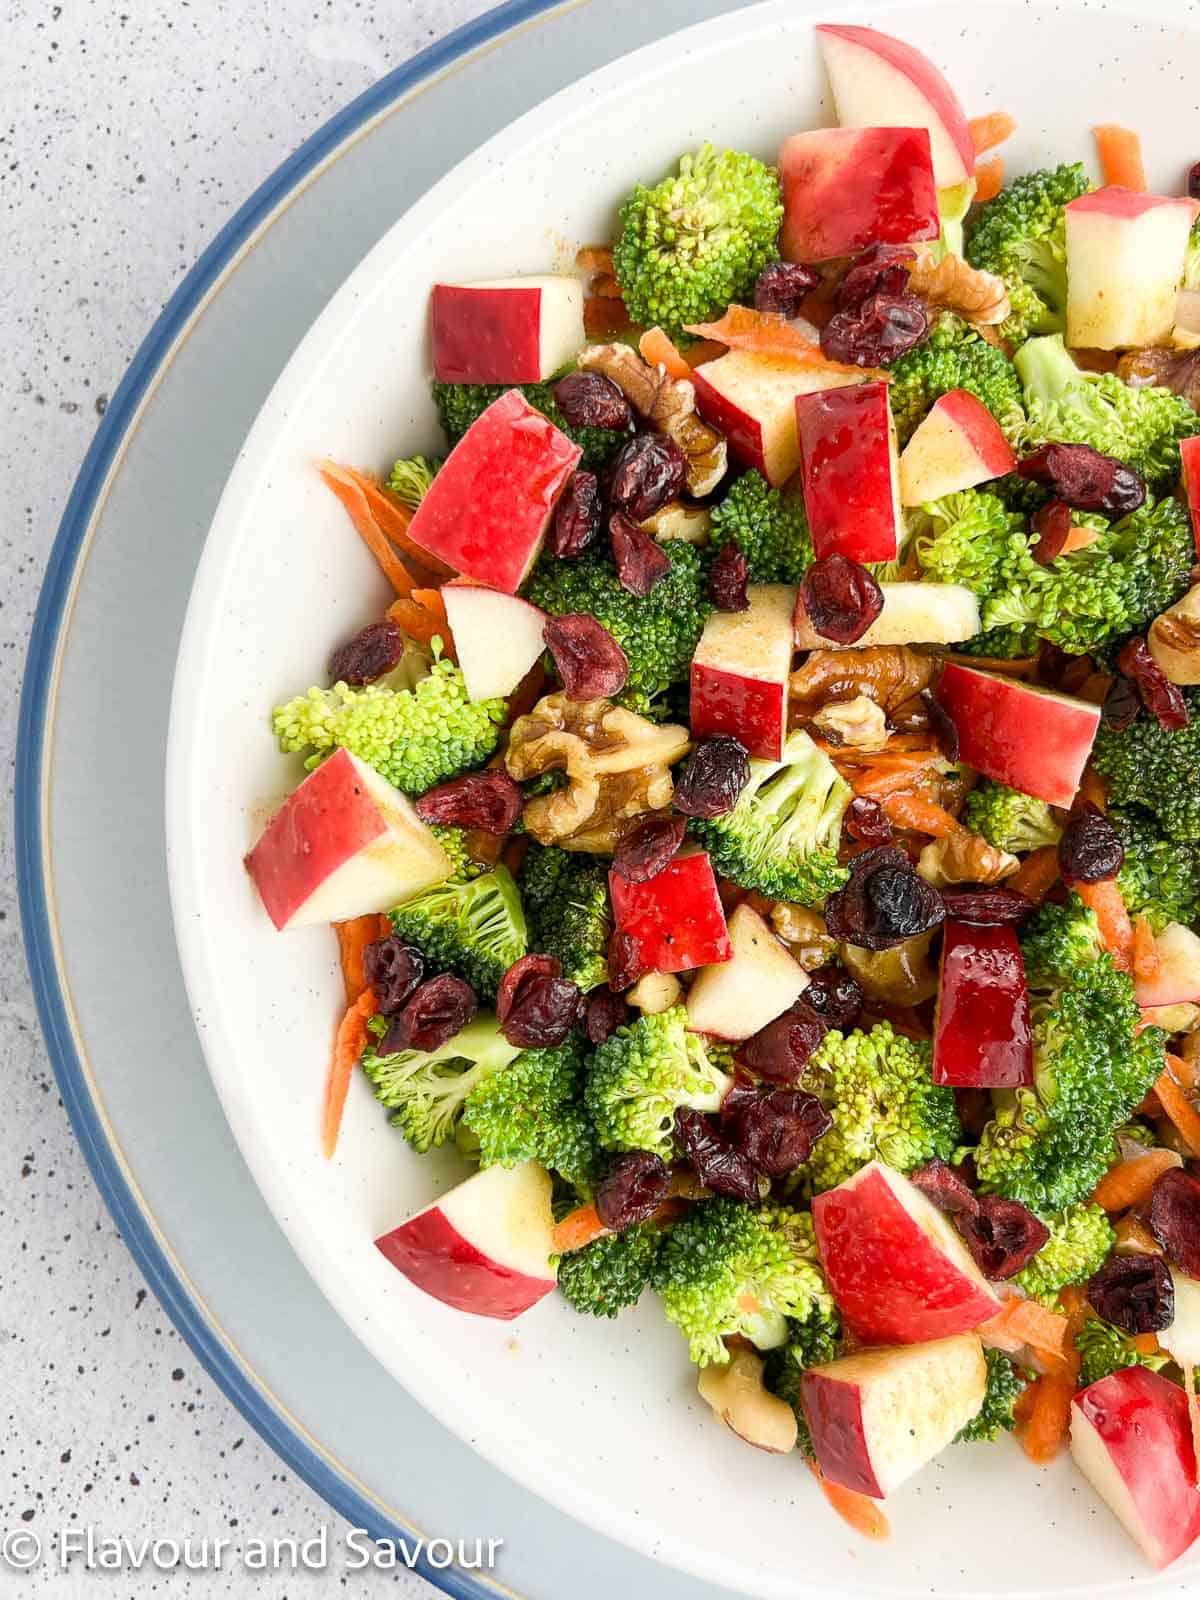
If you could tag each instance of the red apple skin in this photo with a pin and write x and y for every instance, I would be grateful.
(982, 1036)
(432, 1254)
(676, 917)
(844, 188)
(1129, 204)
(750, 709)
(1028, 738)
(1189, 449)
(981, 429)
(485, 335)
(486, 512)
(833, 1412)
(743, 433)
(848, 467)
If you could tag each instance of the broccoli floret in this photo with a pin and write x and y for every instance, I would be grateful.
(728, 1268)
(782, 836)
(1080, 1240)
(610, 1273)
(427, 1089)
(995, 1415)
(1159, 878)
(1145, 765)
(879, 1090)
(1104, 1350)
(970, 538)
(567, 910)
(769, 528)
(412, 737)
(533, 1111)
(410, 478)
(642, 1075)
(954, 357)
(698, 239)
(460, 403)
(1009, 819)
(658, 633)
(473, 926)
(1021, 236)
(454, 842)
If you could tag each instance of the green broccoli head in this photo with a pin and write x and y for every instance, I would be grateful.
(768, 526)
(410, 478)
(782, 836)
(1104, 1350)
(568, 912)
(459, 404)
(1146, 766)
(1009, 819)
(970, 538)
(642, 1075)
(878, 1088)
(414, 738)
(533, 1111)
(427, 1089)
(1159, 878)
(954, 357)
(1079, 1244)
(995, 1416)
(610, 1273)
(698, 239)
(1021, 236)
(473, 926)
(730, 1269)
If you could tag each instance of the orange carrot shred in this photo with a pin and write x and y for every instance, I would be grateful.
(1025, 1322)
(349, 1044)
(1120, 153)
(1146, 961)
(858, 1510)
(382, 522)
(1178, 1107)
(991, 129)
(1078, 539)
(1037, 874)
(659, 350)
(1092, 789)
(353, 937)
(1116, 930)
(770, 334)
(577, 1228)
(1129, 1182)
(989, 179)
(922, 816)
(1049, 1419)
(422, 615)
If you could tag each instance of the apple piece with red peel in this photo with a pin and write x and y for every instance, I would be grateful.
(879, 1416)
(751, 399)
(957, 445)
(897, 1268)
(497, 637)
(739, 679)
(1177, 979)
(1035, 740)
(846, 188)
(1125, 255)
(1189, 450)
(344, 844)
(1182, 1338)
(505, 330)
(850, 472)
(675, 918)
(486, 512)
(485, 1246)
(878, 81)
(913, 613)
(982, 1037)
(736, 998)
(1132, 1440)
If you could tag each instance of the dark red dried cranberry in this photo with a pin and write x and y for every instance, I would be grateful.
(866, 820)
(840, 599)
(728, 580)
(876, 332)
(1135, 1293)
(779, 1051)
(527, 967)
(489, 801)
(884, 903)
(938, 1181)
(715, 775)
(941, 725)
(588, 659)
(777, 1130)
(832, 995)
(880, 269)
(1161, 698)
(632, 1189)
(1175, 1218)
(435, 1012)
(1002, 1235)
(606, 1012)
(1090, 849)
(393, 970)
(373, 651)
(536, 1008)
(645, 850)
(1122, 705)
(719, 1165)
(578, 517)
(987, 908)
(590, 400)
(1085, 479)
(641, 563)
(782, 286)
(625, 964)
(1052, 525)
(1193, 181)
(645, 474)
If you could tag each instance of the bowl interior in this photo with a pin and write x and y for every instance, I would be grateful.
(602, 1419)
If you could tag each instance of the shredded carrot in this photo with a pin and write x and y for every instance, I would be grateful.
(989, 179)
(606, 286)
(577, 1228)
(1023, 1404)
(1120, 152)
(898, 744)
(1116, 930)
(1019, 667)
(382, 522)
(1178, 1107)
(770, 334)
(1049, 1419)
(1129, 1182)
(603, 316)
(704, 350)
(990, 130)
(1092, 789)
(422, 615)
(1146, 961)
(1186, 1074)
(861, 1512)
(921, 815)
(353, 937)
(348, 1046)
(594, 259)
(1037, 874)
(1024, 1322)
(659, 350)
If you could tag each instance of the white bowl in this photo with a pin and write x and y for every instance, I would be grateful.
(600, 1418)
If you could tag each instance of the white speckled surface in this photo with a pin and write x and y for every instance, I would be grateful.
(128, 136)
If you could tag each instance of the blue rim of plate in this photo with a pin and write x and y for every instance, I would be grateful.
(136, 1229)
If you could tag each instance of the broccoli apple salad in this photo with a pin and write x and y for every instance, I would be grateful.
(763, 833)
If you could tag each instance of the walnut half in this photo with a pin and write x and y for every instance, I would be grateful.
(951, 285)
(964, 857)
(667, 404)
(1174, 639)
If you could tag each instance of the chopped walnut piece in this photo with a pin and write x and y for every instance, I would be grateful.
(1174, 639)
(617, 766)
(891, 675)
(951, 285)
(657, 991)
(964, 857)
(858, 724)
(677, 520)
(667, 404)
(803, 931)
(1155, 365)
(736, 1392)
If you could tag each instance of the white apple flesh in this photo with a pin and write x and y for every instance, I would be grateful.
(751, 399)
(1177, 979)
(505, 330)
(957, 445)
(497, 636)
(913, 613)
(735, 998)
(739, 678)
(1125, 255)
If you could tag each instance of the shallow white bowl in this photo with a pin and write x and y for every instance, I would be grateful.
(602, 1419)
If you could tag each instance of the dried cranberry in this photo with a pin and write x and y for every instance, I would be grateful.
(866, 820)
(778, 1130)
(719, 1165)
(645, 850)
(625, 964)
(527, 967)
(1002, 1235)
(728, 580)
(938, 1181)
(779, 1051)
(1135, 1293)
(988, 908)
(884, 904)
(1052, 524)
(880, 269)
(589, 660)
(393, 970)
(435, 1012)
(1193, 181)
(489, 801)
(578, 517)
(782, 286)
(1175, 1218)
(715, 775)
(834, 996)
(1122, 705)
(941, 724)
(1085, 479)
(536, 1008)
(373, 651)
(632, 1189)
(840, 598)
(606, 1012)
(640, 562)
(590, 400)
(645, 474)
(1090, 850)
(876, 332)
(1161, 698)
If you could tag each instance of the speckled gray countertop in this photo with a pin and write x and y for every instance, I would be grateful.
(128, 135)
